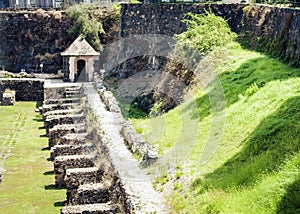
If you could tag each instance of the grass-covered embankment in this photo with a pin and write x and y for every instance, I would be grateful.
(28, 183)
(256, 167)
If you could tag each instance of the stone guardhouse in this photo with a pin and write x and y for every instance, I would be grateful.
(80, 61)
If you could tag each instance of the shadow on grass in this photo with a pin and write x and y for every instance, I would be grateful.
(39, 104)
(43, 135)
(257, 71)
(53, 187)
(290, 202)
(49, 172)
(59, 203)
(264, 151)
(38, 119)
(45, 149)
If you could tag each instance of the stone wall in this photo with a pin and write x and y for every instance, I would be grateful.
(275, 31)
(166, 18)
(26, 89)
(270, 29)
(31, 38)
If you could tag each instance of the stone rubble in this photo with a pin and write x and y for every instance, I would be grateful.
(8, 98)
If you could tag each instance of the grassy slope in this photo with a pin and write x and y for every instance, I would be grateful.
(27, 183)
(256, 164)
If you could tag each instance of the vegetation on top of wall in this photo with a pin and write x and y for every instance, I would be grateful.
(87, 23)
(205, 32)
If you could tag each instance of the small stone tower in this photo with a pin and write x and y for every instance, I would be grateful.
(80, 61)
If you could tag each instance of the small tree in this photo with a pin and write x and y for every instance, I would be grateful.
(205, 31)
(87, 24)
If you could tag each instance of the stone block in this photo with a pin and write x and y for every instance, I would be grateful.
(59, 131)
(91, 193)
(8, 97)
(62, 150)
(54, 120)
(62, 163)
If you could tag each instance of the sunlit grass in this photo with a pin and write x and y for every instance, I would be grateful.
(255, 167)
(27, 181)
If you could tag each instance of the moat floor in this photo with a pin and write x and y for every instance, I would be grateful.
(28, 181)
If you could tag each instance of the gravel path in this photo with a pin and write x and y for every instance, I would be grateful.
(136, 181)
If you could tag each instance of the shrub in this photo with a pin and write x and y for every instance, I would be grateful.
(205, 32)
(87, 24)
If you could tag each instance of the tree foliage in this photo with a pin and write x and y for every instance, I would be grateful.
(205, 31)
(87, 24)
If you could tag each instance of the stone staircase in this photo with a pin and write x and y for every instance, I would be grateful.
(80, 165)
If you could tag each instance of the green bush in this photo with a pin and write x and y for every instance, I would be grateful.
(87, 24)
(205, 32)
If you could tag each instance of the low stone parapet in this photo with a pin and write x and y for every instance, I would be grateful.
(137, 144)
(109, 100)
(62, 163)
(106, 208)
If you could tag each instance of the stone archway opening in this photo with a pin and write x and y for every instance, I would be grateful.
(81, 75)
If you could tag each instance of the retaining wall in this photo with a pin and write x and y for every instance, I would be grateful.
(26, 89)
(271, 29)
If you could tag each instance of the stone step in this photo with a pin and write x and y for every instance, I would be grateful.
(79, 176)
(54, 120)
(62, 163)
(72, 96)
(73, 139)
(90, 194)
(59, 131)
(61, 101)
(53, 107)
(63, 112)
(75, 88)
(100, 208)
(63, 150)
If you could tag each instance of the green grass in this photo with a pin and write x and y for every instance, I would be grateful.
(27, 185)
(256, 165)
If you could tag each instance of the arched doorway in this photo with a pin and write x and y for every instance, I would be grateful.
(80, 75)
